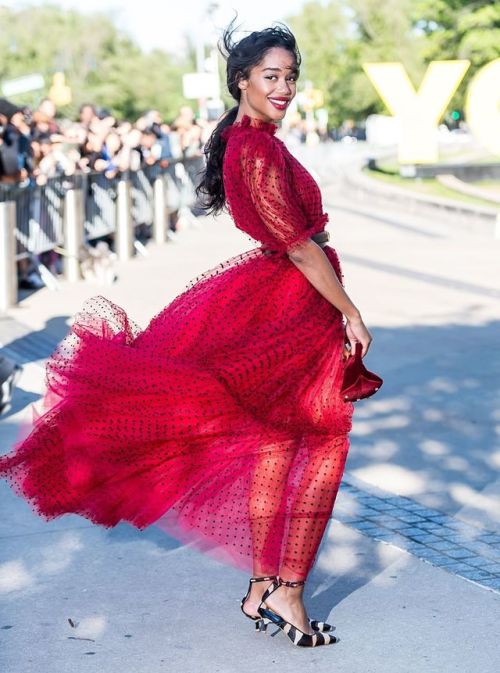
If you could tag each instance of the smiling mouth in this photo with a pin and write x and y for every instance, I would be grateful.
(280, 103)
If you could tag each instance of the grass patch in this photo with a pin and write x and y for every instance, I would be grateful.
(391, 165)
(428, 186)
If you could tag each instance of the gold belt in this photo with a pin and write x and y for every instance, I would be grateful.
(321, 238)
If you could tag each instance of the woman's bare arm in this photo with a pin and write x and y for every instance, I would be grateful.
(312, 261)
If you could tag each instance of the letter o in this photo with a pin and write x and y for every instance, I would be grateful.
(482, 107)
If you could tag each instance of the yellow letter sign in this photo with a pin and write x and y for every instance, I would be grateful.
(418, 112)
(482, 106)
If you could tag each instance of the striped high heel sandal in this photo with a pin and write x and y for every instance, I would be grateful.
(297, 637)
(261, 624)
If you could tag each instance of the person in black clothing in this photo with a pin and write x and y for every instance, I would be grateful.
(9, 374)
(15, 148)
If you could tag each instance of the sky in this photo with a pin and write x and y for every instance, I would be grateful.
(163, 24)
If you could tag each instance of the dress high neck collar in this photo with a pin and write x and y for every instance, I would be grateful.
(253, 122)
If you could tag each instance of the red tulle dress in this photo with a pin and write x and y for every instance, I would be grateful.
(221, 422)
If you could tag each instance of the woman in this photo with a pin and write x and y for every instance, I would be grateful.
(221, 422)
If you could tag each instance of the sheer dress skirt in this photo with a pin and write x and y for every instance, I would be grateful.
(220, 422)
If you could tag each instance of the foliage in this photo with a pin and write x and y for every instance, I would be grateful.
(322, 35)
(101, 64)
(337, 37)
(459, 29)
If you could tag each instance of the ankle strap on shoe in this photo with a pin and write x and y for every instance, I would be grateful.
(298, 583)
(269, 578)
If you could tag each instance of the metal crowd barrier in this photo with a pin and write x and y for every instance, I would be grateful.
(70, 211)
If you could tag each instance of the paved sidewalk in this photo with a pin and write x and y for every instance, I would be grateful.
(409, 569)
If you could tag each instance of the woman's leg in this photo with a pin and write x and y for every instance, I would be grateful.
(311, 510)
(268, 515)
(313, 505)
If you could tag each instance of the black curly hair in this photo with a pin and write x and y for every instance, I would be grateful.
(240, 58)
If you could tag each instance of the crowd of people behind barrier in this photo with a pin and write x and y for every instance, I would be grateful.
(36, 145)
(38, 150)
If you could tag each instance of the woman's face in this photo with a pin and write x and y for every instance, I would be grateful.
(271, 86)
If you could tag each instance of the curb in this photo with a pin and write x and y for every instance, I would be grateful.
(483, 220)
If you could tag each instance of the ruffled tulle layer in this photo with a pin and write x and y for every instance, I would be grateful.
(220, 422)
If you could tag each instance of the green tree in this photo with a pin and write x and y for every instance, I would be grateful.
(383, 32)
(328, 53)
(459, 29)
(101, 64)
(336, 38)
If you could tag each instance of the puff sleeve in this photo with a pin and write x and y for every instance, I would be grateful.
(269, 181)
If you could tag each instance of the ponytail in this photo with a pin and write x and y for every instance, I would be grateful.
(212, 183)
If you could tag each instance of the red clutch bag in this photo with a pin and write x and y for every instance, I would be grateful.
(358, 382)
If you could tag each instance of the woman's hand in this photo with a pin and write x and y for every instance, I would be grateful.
(356, 330)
